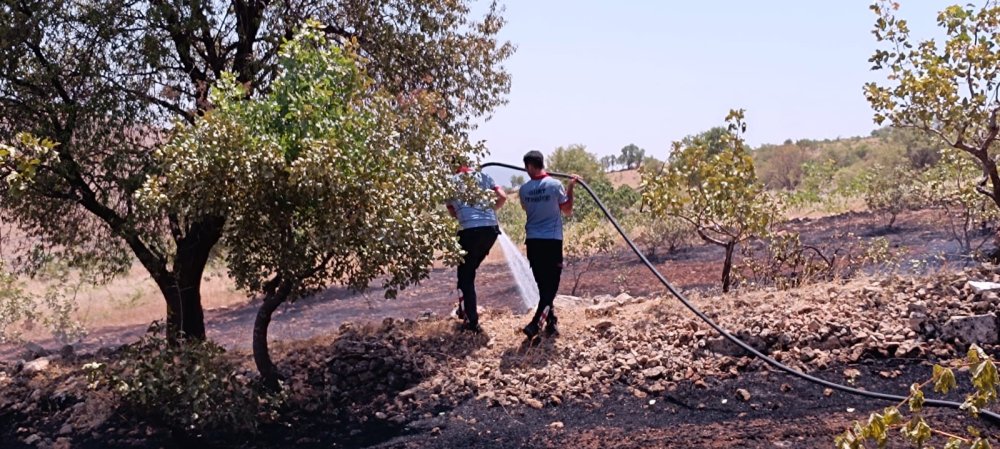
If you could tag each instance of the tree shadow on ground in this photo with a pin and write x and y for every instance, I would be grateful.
(342, 387)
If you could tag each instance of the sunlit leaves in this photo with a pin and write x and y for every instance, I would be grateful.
(325, 179)
(948, 89)
(20, 162)
(916, 401)
(944, 379)
(717, 192)
(916, 429)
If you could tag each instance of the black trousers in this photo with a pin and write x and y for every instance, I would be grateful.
(476, 242)
(546, 259)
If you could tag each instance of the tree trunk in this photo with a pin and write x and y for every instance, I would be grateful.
(175, 312)
(193, 251)
(727, 267)
(261, 356)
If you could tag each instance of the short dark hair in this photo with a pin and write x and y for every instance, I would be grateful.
(535, 159)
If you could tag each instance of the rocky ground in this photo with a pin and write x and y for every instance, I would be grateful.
(625, 372)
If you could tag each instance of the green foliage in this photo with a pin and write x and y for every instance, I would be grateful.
(16, 306)
(781, 167)
(659, 235)
(55, 308)
(891, 190)
(631, 156)
(719, 194)
(714, 141)
(620, 201)
(512, 219)
(105, 80)
(783, 261)
(951, 186)
(947, 90)
(327, 178)
(575, 159)
(916, 430)
(190, 387)
(716, 191)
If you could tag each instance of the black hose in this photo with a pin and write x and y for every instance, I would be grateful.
(993, 417)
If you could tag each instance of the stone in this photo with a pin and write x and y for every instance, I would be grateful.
(743, 394)
(983, 286)
(910, 349)
(623, 298)
(603, 326)
(587, 370)
(978, 329)
(557, 425)
(533, 403)
(36, 366)
(32, 439)
(722, 345)
(567, 301)
(601, 310)
(655, 372)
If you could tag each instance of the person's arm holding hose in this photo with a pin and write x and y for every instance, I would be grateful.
(567, 206)
(501, 197)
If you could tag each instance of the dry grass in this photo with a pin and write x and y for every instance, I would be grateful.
(134, 299)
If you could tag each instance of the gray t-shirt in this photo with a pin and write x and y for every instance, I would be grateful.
(541, 199)
(474, 216)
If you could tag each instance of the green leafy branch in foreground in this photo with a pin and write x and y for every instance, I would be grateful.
(879, 425)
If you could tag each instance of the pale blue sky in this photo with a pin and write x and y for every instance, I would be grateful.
(608, 73)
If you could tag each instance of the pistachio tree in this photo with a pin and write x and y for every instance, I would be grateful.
(105, 81)
(326, 179)
(888, 191)
(946, 88)
(713, 186)
(951, 186)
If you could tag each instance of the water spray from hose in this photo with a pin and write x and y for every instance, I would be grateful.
(521, 270)
(993, 417)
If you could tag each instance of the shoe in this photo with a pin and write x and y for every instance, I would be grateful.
(531, 330)
(469, 327)
(550, 327)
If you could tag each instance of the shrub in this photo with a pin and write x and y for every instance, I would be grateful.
(783, 261)
(189, 387)
(889, 191)
(15, 306)
(659, 236)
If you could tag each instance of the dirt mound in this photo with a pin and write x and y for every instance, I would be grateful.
(366, 383)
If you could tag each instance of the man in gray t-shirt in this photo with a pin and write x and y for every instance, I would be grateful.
(478, 230)
(544, 200)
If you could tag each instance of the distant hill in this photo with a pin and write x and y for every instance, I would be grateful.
(629, 178)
